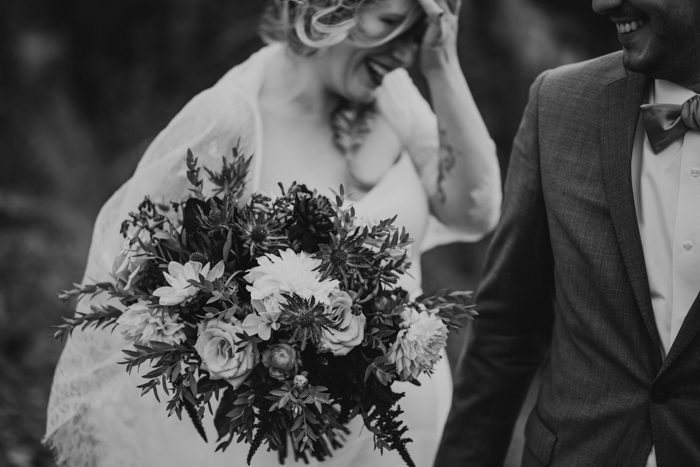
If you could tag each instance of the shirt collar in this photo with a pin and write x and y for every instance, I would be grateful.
(667, 92)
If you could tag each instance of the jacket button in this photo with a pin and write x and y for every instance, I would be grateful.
(660, 395)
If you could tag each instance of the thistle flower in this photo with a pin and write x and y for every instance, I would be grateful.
(343, 257)
(260, 232)
(306, 318)
(179, 277)
(418, 344)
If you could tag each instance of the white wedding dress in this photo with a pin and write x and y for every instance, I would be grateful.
(96, 416)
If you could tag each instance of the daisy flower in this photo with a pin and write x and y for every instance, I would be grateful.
(179, 277)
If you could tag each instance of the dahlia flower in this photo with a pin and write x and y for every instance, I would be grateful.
(418, 344)
(289, 272)
(143, 324)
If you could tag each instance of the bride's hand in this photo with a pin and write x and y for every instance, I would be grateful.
(439, 44)
(408, 113)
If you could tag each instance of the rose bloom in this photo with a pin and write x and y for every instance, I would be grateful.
(418, 344)
(347, 330)
(280, 360)
(224, 355)
(142, 324)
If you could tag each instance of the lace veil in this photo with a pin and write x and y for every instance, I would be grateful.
(92, 396)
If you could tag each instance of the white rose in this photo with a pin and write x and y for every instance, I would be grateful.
(224, 355)
(348, 329)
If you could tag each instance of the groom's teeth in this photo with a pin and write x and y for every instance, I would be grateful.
(629, 26)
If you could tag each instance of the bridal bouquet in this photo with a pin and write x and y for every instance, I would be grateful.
(278, 316)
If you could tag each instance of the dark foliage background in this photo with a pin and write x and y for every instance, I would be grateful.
(84, 87)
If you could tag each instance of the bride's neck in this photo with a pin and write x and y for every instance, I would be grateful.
(294, 83)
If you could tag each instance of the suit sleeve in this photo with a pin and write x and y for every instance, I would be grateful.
(512, 333)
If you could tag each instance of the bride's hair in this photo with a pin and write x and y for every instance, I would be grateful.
(309, 25)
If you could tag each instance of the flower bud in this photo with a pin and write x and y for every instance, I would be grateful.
(199, 257)
(280, 360)
(300, 381)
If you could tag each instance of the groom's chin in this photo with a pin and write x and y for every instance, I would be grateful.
(641, 60)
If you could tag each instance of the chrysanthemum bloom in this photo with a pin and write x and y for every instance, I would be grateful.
(418, 344)
(286, 274)
(225, 355)
(347, 329)
(281, 360)
(143, 324)
(179, 277)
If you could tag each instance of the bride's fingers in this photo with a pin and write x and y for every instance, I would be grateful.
(431, 8)
(453, 6)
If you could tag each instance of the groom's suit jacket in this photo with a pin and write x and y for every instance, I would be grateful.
(565, 288)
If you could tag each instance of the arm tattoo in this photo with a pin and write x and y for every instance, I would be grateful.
(446, 161)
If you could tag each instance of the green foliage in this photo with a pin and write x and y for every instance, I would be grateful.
(274, 405)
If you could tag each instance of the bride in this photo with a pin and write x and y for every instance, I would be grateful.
(326, 102)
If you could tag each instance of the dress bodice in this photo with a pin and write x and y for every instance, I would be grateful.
(399, 191)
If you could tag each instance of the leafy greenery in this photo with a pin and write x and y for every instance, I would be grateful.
(309, 395)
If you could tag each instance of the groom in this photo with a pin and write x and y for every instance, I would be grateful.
(594, 272)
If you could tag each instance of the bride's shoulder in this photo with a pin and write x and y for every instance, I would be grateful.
(232, 100)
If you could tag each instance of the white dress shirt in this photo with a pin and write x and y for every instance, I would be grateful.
(667, 199)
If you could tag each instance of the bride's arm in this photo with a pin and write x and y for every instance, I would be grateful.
(455, 157)
(466, 172)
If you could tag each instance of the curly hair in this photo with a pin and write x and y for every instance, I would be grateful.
(309, 25)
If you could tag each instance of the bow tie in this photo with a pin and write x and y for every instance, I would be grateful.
(665, 123)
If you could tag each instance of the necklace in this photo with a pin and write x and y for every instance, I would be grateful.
(350, 124)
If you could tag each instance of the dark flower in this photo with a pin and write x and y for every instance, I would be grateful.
(312, 220)
(305, 317)
(260, 233)
(344, 257)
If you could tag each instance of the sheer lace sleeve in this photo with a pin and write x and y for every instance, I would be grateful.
(94, 402)
(417, 127)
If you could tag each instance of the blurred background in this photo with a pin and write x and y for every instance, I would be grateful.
(85, 86)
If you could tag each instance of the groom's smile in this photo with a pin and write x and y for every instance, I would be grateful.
(627, 26)
(660, 38)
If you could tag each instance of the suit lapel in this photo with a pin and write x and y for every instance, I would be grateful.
(619, 123)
